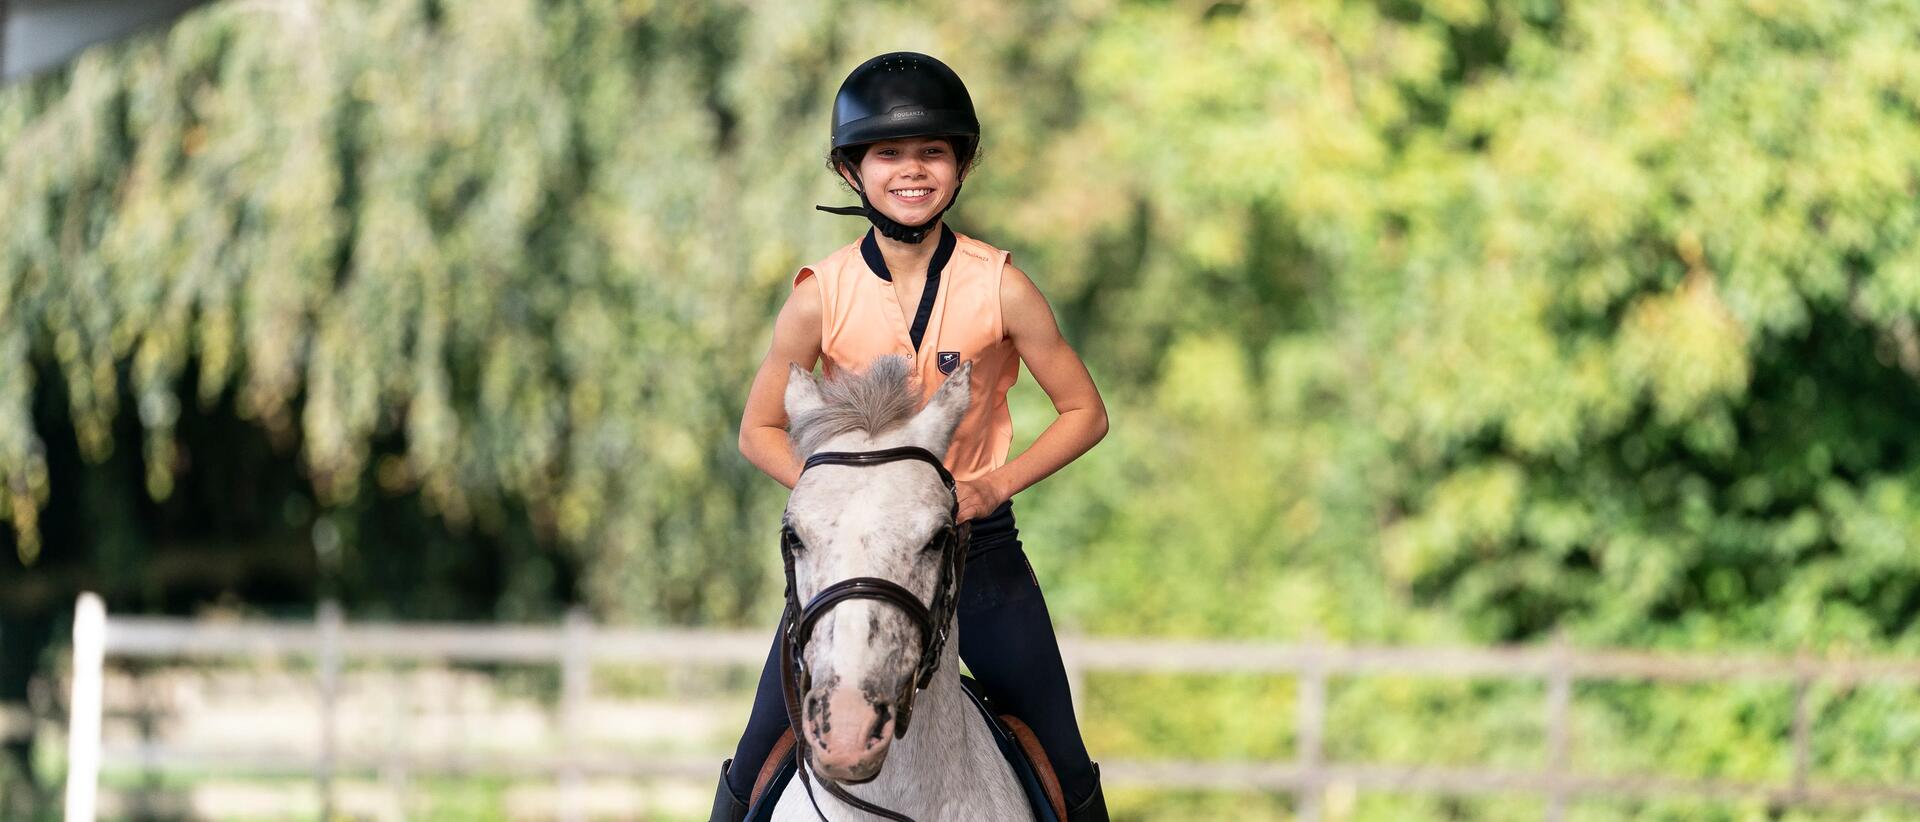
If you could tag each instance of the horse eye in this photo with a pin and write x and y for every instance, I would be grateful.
(793, 540)
(939, 541)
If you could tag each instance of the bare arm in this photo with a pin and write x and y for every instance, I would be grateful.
(763, 426)
(1082, 419)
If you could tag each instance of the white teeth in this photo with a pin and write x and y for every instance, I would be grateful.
(914, 192)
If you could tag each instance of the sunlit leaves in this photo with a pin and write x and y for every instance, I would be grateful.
(1485, 301)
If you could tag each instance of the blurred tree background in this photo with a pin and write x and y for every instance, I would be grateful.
(1420, 322)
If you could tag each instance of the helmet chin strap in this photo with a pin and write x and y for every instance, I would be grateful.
(888, 227)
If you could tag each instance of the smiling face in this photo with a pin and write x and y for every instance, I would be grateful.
(910, 179)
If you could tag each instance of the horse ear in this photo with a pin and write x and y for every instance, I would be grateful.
(932, 428)
(803, 393)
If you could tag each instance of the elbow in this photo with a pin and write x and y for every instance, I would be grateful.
(744, 443)
(1097, 423)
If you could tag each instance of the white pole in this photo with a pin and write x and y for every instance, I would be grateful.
(576, 687)
(83, 723)
(330, 622)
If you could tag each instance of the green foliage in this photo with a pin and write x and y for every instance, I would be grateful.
(1530, 308)
(415, 222)
(1595, 311)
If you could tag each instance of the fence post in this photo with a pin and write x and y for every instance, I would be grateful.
(576, 672)
(1802, 725)
(1311, 716)
(330, 623)
(83, 722)
(1559, 735)
(394, 771)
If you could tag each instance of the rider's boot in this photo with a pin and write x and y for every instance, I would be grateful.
(1094, 809)
(730, 808)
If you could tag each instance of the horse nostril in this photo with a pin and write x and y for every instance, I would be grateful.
(882, 717)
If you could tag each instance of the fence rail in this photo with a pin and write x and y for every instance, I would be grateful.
(577, 645)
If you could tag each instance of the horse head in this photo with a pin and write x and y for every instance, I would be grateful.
(882, 521)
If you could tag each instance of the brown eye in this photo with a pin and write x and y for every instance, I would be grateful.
(940, 539)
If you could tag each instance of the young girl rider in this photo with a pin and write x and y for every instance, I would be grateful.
(904, 137)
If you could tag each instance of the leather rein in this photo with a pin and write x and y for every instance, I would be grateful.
(933, 620)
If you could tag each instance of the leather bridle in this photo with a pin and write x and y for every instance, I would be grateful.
(932, 620)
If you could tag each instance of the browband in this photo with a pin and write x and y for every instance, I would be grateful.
(907, 452)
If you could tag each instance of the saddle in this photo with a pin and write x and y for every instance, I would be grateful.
(1017, 744)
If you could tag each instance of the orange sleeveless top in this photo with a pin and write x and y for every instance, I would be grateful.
(861, 318)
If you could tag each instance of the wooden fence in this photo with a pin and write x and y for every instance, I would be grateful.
(577, 645)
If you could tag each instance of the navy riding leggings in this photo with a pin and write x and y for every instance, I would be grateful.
(1006, 639)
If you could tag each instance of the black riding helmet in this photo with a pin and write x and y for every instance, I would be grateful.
(897, 95)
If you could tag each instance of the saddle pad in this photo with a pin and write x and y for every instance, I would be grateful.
(1017, 744)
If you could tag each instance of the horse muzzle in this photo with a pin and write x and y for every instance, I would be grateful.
(849, 732)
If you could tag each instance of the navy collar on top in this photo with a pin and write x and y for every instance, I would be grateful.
(870, 251)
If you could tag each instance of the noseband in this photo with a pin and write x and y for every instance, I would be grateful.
(932, 620)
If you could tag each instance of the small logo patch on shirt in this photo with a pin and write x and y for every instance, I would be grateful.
(948, 361)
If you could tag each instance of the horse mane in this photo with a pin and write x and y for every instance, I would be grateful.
(876, 400)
